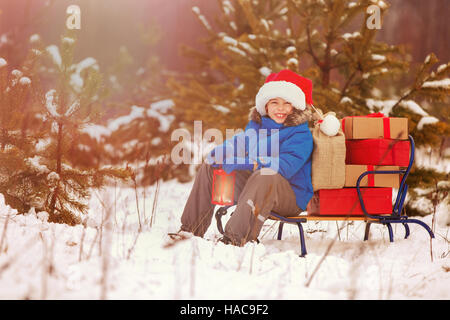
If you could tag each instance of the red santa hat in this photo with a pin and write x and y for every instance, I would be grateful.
(287, 85)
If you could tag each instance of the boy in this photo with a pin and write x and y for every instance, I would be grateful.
(278, 181)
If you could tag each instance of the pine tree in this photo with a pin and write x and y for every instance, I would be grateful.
(327, 41)
(21, 181)
(73, 104)
(42, 168)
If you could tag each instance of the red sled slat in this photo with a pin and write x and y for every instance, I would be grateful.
(377, 152)
(345, 201)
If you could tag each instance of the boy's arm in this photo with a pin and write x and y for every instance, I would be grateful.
(292, 156)
(229, 148)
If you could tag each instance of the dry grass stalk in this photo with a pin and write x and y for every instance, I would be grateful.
(44, 268)
(107, 224)
(155, 203)
(338, 232)
(251, 259)
(159, 168)
(130, 250)
(105, 260)
(124, 225)
(115, 202)
(133, 177)
(105, 219)
(269, 229)
(93, 244)
(80, 254)
(2, 240)
(193, 261)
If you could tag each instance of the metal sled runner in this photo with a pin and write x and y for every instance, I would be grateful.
(385, 219)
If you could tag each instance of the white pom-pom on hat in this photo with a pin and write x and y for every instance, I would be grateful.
(330, 125)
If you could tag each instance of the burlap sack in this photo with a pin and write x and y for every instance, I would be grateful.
(328, 159)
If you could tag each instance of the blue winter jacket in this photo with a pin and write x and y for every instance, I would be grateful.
(285, 149)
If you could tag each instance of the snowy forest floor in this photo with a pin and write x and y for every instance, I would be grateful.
(41, 260)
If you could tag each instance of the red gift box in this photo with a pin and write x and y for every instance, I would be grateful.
(377, 152)
(345, 201)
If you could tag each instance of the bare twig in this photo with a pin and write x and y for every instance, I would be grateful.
(93, 244)
(338, 232)
(106, 222)
(193, 261)
(80, 254)
(115, 202)
(155, 202)
(2, 240)
(137, 202)
(251, 258)
(106, 253)
(130, 250)
(45, 267)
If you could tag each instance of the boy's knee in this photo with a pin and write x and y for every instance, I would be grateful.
(264, 175)
(267, 172)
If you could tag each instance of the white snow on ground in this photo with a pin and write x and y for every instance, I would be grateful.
(41, 260)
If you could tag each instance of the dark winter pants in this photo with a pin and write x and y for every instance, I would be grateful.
(257, 194)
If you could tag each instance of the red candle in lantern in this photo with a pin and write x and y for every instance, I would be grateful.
(223, 187)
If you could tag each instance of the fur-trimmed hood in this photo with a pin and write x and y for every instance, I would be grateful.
(296, 118)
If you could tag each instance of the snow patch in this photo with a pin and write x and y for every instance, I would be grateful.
(68, 40)
(76, 80)
(265, 71)
(36, 166)
(348, 36)
(221, 108)
(441, 84)
(293, 61)
(378, 57)
(35, 38)
(426, 120)
(25, 81)
(386, 106)
(53, 50)
(96, 131)
(136, 112)
(346, 100)
(202, 18)
(290, 50)
(50, 103)
(162, 105)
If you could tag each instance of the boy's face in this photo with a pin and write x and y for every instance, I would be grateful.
(278, 109)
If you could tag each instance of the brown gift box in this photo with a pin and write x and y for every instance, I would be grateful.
(353, 171)
(375, 127)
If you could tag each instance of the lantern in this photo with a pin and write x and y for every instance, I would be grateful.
(223, 187)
